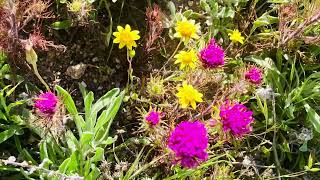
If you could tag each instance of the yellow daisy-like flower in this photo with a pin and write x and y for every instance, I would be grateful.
(186, 59)
(188, 96)
(187, 29)
(126, 37)
(236, 36)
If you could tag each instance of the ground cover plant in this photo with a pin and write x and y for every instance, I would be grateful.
(159, 89)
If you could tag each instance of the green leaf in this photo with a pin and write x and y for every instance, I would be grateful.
(99, 155)
(67, 100)
(172, 8)
(10, 91)
(110, 114)
(314, 169)
(105, 100)
(71, 141)
(71, 107)
(310, 161)
(205, 6)
(58, 25)
(264, 20)
(64, 165)
(278, 1)
(73, 164)
(86, 139)
(87, 106)
(6, 134)
(303, 147)
(43, 150)
(94, 174)
(313, 117)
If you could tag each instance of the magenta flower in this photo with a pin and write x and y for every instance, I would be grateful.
(46, 103)
(212, 56)
(153, 118)
(189, 141)
(254, 75)
(236, 118)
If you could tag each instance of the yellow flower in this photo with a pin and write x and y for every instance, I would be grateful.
(186, 29)
(188, 96)
(236, 36)
(126, 37)
(186, 58)
(75, 6)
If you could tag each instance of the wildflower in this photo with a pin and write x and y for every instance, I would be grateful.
(186, 29)
(126, 37)
(236, 118)
(156, 86)
(75, 6)
(305, 135)
(186, 59)
(46, 103)
(236, 36)
(189, 141)
(254, 75)
(153, 118)
(212, 56)
(188, 96)
(265, 93)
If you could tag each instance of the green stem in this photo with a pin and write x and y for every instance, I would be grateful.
(36, 72)
(174, 52)
(274, 141)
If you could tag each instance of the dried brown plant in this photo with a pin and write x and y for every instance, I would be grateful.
(154, 27)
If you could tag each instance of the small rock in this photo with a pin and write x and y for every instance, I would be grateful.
(77, 71)
(95, 59)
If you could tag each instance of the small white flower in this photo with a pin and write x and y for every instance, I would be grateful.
(246, 161)
(265, 93)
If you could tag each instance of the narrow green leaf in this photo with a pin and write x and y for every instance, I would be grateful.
(313, 117)
(43, 150)
(310, 161)
(58, 25)
(64, 165)
(87, 106)
(6, 134)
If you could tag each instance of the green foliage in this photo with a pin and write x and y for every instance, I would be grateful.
(84, 152)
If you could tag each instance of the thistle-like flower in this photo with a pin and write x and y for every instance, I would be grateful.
(254, 75)
(236, 118)
(189, 141)
(153, 117)
(212, 56)
(46, 103)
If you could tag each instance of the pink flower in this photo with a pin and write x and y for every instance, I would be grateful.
(189, 141)
(46, 103)
(236, 118)
(212, 56)
(153, 117)
(254, 75)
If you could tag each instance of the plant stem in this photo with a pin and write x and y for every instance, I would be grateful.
(174, 52)
(274, 141)
(36, 72)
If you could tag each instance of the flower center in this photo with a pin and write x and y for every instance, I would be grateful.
(125, 37)
(186, 29)
(186, 59)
